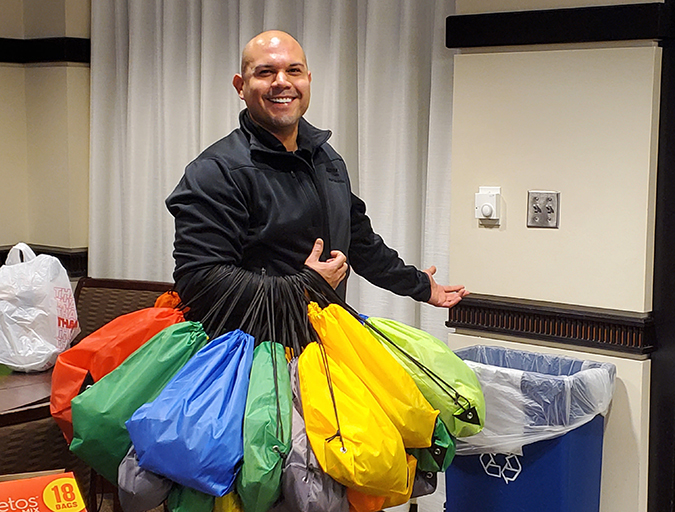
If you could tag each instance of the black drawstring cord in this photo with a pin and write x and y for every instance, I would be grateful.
(338, 433)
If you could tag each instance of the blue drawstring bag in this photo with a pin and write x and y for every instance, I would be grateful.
(192, 432)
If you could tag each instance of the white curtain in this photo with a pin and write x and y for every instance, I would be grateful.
(161, 92)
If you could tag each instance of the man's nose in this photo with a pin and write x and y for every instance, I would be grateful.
(280, 79)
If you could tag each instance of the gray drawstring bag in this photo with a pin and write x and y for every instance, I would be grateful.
(305, 487)
(140, 490)
(425, 483)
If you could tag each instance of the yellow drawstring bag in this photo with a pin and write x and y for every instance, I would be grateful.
(353, 439)
(228, 503)
(395, 499)
(350, 344)
(360, 502)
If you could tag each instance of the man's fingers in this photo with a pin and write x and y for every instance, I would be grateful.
(317, 250)
(455, 288)
(338, 257)
(431, 270)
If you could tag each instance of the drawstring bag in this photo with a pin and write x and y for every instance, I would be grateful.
(99, 435)
(38, 319)
(228, 503)
(100, 353)
(362, 502)
(267, 428)
(350, 344)
(169, 299)
(444, 379)
(438, 457)
(140, 490)
(305, 487)
(191, 432)
(352, 437)
(184, 499)
(432, 460)
(425, 483)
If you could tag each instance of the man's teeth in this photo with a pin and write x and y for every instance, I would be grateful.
(281, 100)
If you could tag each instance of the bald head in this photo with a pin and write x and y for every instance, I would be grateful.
(268, 42)
(275, 84)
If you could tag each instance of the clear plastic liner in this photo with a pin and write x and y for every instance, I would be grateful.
(532, 397)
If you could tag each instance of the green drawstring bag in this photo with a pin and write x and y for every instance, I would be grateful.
(100, 436)
(267, 428)
(439, 455)
(184, 499)
(444, 379)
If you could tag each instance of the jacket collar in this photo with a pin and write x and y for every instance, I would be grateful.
(309, 137)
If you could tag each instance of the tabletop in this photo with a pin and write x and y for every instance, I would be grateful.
(24, 396)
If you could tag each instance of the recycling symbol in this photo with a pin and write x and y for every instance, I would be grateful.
(501, 466)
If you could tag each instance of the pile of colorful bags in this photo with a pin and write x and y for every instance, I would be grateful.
(306, 406)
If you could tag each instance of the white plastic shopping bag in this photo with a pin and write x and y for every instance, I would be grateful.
(37, 310)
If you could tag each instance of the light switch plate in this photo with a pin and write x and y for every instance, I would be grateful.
(543, 209)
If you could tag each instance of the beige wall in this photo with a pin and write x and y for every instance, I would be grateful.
(58, 154)
(45, 128)
(13, 154)
(11, 19)
(78, 99)
(579, 121)
(78, 18)
(483, 6)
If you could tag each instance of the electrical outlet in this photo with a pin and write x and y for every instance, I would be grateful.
(543, 209)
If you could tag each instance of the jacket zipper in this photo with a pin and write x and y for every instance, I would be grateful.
(324, 205)
(322, 200)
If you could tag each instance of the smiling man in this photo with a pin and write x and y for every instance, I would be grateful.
(274, 196)
(274, 83)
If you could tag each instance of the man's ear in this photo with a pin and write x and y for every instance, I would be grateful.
(238, 83)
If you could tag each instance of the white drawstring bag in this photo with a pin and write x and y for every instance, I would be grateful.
(37, 310)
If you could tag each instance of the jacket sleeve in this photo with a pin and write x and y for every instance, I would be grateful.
(372, 259)
(211, 217)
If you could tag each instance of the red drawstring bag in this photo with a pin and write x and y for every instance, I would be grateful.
(100, 353)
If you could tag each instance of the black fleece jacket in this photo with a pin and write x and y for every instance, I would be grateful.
(246, 201)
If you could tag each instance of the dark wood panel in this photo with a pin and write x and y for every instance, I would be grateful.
(610, 329)
(652, 21)
(53, 49)
(74, 260)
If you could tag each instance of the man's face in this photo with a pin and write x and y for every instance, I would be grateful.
(275, 84)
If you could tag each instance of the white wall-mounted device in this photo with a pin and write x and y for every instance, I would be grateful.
(488, 201)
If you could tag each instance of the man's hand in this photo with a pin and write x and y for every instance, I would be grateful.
(444, 296)
(332, 270)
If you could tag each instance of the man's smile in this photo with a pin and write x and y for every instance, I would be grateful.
(281, 100)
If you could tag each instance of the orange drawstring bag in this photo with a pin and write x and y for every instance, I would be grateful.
(100, 353)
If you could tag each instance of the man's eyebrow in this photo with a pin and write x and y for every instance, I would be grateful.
(273, 66)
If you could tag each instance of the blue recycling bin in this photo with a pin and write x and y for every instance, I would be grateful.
(556, 472)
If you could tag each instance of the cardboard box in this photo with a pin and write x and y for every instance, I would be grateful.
(46, 492)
